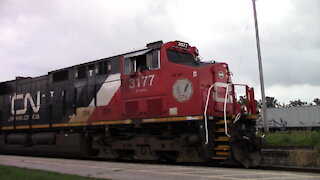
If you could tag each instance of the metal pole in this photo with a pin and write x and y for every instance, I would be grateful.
(264, 107)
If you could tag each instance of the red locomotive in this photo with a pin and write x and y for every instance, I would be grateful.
(157, 103)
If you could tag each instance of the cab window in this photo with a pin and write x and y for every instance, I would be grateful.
(182, 58)
(153, 59)
(142, 62)
(129, 65)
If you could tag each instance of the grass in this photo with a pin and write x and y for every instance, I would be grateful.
(298, 157)
(9, 173)
(294, 138)
(304, 158)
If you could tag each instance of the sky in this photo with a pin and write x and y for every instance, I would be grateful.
(37, 36)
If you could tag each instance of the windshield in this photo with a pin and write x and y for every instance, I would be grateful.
(182, 58)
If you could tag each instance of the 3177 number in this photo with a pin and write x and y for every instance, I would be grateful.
(141, 82)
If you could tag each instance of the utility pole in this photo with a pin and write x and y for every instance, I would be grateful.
(264, 105)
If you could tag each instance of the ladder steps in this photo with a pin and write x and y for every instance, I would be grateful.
(222, 122)
(220, 130)
(222, 153)
(219, 158)
(222, 147)
(222, 138)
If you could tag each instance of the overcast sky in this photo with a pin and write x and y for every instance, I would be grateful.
(37, 36)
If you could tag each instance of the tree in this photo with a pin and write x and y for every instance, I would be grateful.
(297, 103)
(272, 102)
(317, 101)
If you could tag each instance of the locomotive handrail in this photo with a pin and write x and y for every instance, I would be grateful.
(237, 118)
(250, 102)
(225, 112)
(205, 114)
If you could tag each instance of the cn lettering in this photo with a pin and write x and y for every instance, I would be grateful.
(26, 98)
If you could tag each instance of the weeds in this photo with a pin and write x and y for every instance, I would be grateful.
(298, 157)
(294, 138)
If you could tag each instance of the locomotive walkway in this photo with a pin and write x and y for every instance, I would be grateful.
(132, 171)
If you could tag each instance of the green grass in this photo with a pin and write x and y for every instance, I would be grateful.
(294, 138)
(298, 157)
(9, 173)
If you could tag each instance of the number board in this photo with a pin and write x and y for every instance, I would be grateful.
(183, 44)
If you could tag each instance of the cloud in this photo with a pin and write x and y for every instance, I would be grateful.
(45, 36)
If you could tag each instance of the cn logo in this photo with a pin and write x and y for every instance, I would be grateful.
(27, 97)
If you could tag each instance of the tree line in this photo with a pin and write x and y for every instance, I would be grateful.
(273, 102)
